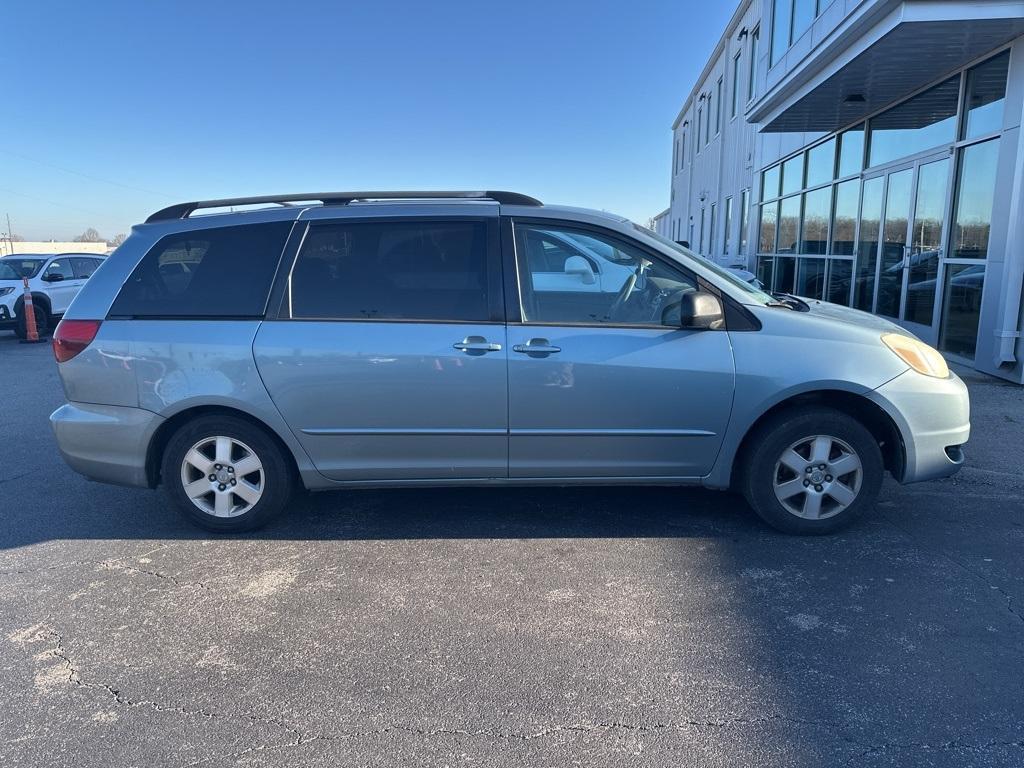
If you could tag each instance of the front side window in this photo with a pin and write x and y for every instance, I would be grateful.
(219, 272)
(606, 280)
(393, 270)
(59, 269)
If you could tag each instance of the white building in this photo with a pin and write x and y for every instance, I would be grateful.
(867, 152)
(7, 247)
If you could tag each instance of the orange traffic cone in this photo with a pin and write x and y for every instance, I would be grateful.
(31, 332)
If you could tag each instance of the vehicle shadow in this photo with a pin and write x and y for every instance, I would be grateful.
(81, 510)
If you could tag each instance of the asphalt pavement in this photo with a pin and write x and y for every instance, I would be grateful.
(520, 627)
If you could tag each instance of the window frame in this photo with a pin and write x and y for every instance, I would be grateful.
(755, 44)
(280, 297)
(515, 263)
(735, 101)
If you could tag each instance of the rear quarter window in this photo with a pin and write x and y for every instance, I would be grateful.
(220, 272)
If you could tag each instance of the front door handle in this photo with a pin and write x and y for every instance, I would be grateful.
(537, 347)
(476, 345)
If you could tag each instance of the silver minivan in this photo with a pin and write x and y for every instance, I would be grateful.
(372, 339)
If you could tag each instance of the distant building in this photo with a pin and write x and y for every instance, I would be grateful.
(51, 246)
(869, 153)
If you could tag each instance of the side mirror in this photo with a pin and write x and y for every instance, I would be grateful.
(53, 277)
(577, 265)
(701, 311)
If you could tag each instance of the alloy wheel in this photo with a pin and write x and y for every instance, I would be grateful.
(222, 476)
(818, 477)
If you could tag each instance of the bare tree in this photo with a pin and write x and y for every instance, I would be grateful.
(117, 240)
(89, 236)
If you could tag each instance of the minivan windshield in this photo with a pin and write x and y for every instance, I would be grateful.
(17, 267)
(752, 291)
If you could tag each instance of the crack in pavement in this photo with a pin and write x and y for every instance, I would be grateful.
(74, 677)
(302, 737)
(958, 563)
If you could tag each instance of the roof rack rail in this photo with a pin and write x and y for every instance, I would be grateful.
(184, 210)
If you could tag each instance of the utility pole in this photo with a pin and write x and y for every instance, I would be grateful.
(10, 233)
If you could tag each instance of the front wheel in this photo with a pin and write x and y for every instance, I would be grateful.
(42, 324)
(225, 474)
(812, 471)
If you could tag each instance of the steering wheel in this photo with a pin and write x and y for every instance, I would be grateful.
(624, 293)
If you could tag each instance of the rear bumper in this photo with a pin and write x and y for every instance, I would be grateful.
(105, 442)
(934, 419)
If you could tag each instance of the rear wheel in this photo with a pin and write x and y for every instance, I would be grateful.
(226, 474)
(812, 471)
(42, 322)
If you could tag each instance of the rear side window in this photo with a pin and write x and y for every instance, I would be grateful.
(84, 267)
(392, 271)
(222, 272)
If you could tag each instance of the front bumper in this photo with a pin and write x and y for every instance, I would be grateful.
(105, 442)
(934, 420)
(7, 315)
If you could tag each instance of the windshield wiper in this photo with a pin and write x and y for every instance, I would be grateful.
(791, 301)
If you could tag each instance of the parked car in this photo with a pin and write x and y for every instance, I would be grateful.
(54, 281)
(396, 339)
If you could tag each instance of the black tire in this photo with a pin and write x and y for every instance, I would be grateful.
(42, 322)
(762, 468)
(276, 479)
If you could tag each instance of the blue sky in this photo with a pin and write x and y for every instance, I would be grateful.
(114, 109)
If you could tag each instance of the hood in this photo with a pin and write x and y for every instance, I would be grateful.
(854, 317)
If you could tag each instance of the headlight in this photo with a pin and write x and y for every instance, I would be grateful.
(917, 355)
(5, 291)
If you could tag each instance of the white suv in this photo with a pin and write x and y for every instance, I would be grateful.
(54, 280)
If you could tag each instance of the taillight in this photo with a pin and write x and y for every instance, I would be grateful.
(72, 336)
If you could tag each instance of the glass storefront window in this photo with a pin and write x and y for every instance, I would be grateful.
(821, 163)
(961, 308)
(789, 224)
(867, 244)
(986, 91)
(925, 121)
(975, 192)
(925, 241)
(769, 225)
(851, 151)
(894, 242)
(793, 175)
(814, 235)
(785, 268)
(840, 273)
(844, 220)
(765, 270)
(810, 278)
(770, 183)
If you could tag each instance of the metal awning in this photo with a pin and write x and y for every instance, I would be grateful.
(910, 55)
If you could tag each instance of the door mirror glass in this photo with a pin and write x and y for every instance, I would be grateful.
(701, 311)
(580, 267)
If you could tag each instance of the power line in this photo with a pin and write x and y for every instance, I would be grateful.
(86, 175)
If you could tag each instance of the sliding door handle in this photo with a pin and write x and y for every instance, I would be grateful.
(477, 345)
(537, 347)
